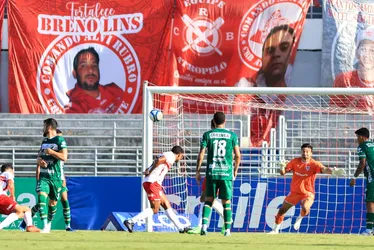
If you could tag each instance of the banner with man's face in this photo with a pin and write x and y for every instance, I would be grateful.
(236, 43)
(348, 50)
(83, 56)
(92, 56)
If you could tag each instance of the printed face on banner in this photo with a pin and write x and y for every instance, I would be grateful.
(348, 51)
(90, 67)
(267, 35)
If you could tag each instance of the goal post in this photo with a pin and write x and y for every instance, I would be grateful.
(271, 124)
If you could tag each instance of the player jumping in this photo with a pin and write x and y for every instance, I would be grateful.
(216, 204)
(8, 205)
(305, 171)
(365, 153)
(152, 184)
(221, 144)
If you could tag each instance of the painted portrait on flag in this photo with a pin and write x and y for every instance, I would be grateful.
(348, 50)
(82, 57)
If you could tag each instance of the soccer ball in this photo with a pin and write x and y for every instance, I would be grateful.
(156, 115)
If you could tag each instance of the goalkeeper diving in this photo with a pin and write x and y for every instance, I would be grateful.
(305, 170)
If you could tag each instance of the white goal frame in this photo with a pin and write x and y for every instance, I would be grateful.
(149, 90)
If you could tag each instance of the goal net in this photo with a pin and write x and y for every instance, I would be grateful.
(271, 124)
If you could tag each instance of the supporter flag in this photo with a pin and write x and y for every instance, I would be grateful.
(348, 50)
(116, 43)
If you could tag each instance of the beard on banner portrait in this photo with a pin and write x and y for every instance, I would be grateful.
(91, 35)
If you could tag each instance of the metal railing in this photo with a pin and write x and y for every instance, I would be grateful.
(109, 161)
(87, 160)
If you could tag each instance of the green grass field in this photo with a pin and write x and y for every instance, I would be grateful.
(97, 240)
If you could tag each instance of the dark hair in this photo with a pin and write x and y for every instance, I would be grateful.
(363, 132)
(212, 124)
(177, 150)
(219, 118)
(51, 122)
(307, 145)
(58, 131)
(6, 166)
(84, 51)
(284, 27)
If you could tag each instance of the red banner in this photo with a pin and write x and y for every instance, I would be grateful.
(92, 56)
(2, 10)
(243, 43)
(83, 57)
(237, 43)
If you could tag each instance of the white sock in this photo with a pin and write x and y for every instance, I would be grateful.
(142, 215)
(28, 218)
(201, 214)
(173, 217)
(218, 207)
(277, 227)
(9, 220)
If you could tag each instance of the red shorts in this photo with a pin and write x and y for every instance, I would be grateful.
(154, 191)
(294, 198)
(7, 204)
(203, 187)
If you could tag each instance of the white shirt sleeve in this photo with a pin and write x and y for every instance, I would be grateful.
(8, 176)
(170, 158)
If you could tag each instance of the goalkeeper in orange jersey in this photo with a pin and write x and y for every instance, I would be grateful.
(305, 170)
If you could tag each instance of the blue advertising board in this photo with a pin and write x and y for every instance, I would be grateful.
(338, 208)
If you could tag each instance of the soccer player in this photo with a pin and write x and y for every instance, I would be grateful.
(64, 199)
(8, 205)
(305, 170)
(53, 152)
(152, 184)
(216, 205)
(365, 153)
(221, 144)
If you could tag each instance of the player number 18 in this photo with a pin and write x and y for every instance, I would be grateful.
(219, 148)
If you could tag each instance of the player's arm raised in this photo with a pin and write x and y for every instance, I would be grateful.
(360, 168)
(61, 155)
(157, 162)
(199, 162)
(283, 167)
(333, 171)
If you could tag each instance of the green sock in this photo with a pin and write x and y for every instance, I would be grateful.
(34, 210)
(66, 206)
(51, 213)
(227, 215)
(43, 208)
(206, 212)
(369, 220)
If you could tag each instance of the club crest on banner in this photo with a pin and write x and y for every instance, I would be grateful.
(118, 74)
(258, 22)
(202, 36)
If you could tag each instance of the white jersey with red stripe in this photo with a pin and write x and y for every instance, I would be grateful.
(158, 174)
(4, 177)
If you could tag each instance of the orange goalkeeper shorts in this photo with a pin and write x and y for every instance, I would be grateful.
(294, 198)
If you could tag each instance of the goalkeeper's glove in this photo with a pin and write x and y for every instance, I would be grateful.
(337, 171)
(283, 165)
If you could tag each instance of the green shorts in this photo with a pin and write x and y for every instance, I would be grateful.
(221, 187)
(50, 187)
(369, 192)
